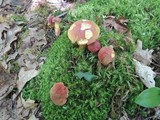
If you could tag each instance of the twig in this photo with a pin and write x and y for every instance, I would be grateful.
(62, 14)
(148, 118)
(155, 64)
(157, 73)
(37, 110)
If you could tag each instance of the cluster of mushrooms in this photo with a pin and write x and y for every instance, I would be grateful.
(84, 33)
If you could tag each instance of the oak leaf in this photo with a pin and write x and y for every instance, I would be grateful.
(143, 56)
(146, 74)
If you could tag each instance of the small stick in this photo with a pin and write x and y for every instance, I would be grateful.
(155, 64)
(62, 14)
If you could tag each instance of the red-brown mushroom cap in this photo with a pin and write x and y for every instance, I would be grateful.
(52, 20)
(59, 101)
(83, 32)
(106, 55)
(94, 47)
(56, 19)
(59, 93)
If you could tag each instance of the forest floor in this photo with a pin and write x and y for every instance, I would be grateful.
(33, 58)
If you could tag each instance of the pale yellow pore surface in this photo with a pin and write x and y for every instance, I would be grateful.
(85, 26)
(82, 42)
(113, 54)
(88, 34)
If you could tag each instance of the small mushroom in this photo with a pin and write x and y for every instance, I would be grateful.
(55, 22)
(50, 23)
(94, 47)
(106, 55)
(59, 93)
(83, 32)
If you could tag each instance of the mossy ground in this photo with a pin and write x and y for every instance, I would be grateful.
(115, 89)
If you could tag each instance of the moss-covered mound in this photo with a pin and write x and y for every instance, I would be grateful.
(114, 89)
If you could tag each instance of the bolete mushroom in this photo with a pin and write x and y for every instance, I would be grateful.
(55, 22)
(83, 32)
(50, 23)
(94, 47)
(59, 93)
(106, 55)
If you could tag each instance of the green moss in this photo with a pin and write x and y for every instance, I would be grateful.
(18, 18)
(115, 88)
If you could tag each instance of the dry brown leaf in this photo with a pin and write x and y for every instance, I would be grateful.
(3, 19)
(17, 2)
(24, 76)
(146, 74)
(21, 60)
(30, 61)
(128, 38)
(123, 20)
(4, 113)
(33, 42)
(30, 16)
(4, 64)
(143, 56)
(36, 40)
(119, 25)
(23, 108)
(3, 29)
(32, 117)
(34, 63)
(36, 4)
(12, 56)
(109, 22)
(11, 36)
(31, 46)
(7, 82)
(58, 4)
(29, 104)
(12, 108)
(31, 65)
(35, 33)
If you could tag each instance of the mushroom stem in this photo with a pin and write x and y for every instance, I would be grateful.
(82, 46)
(57, 28)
